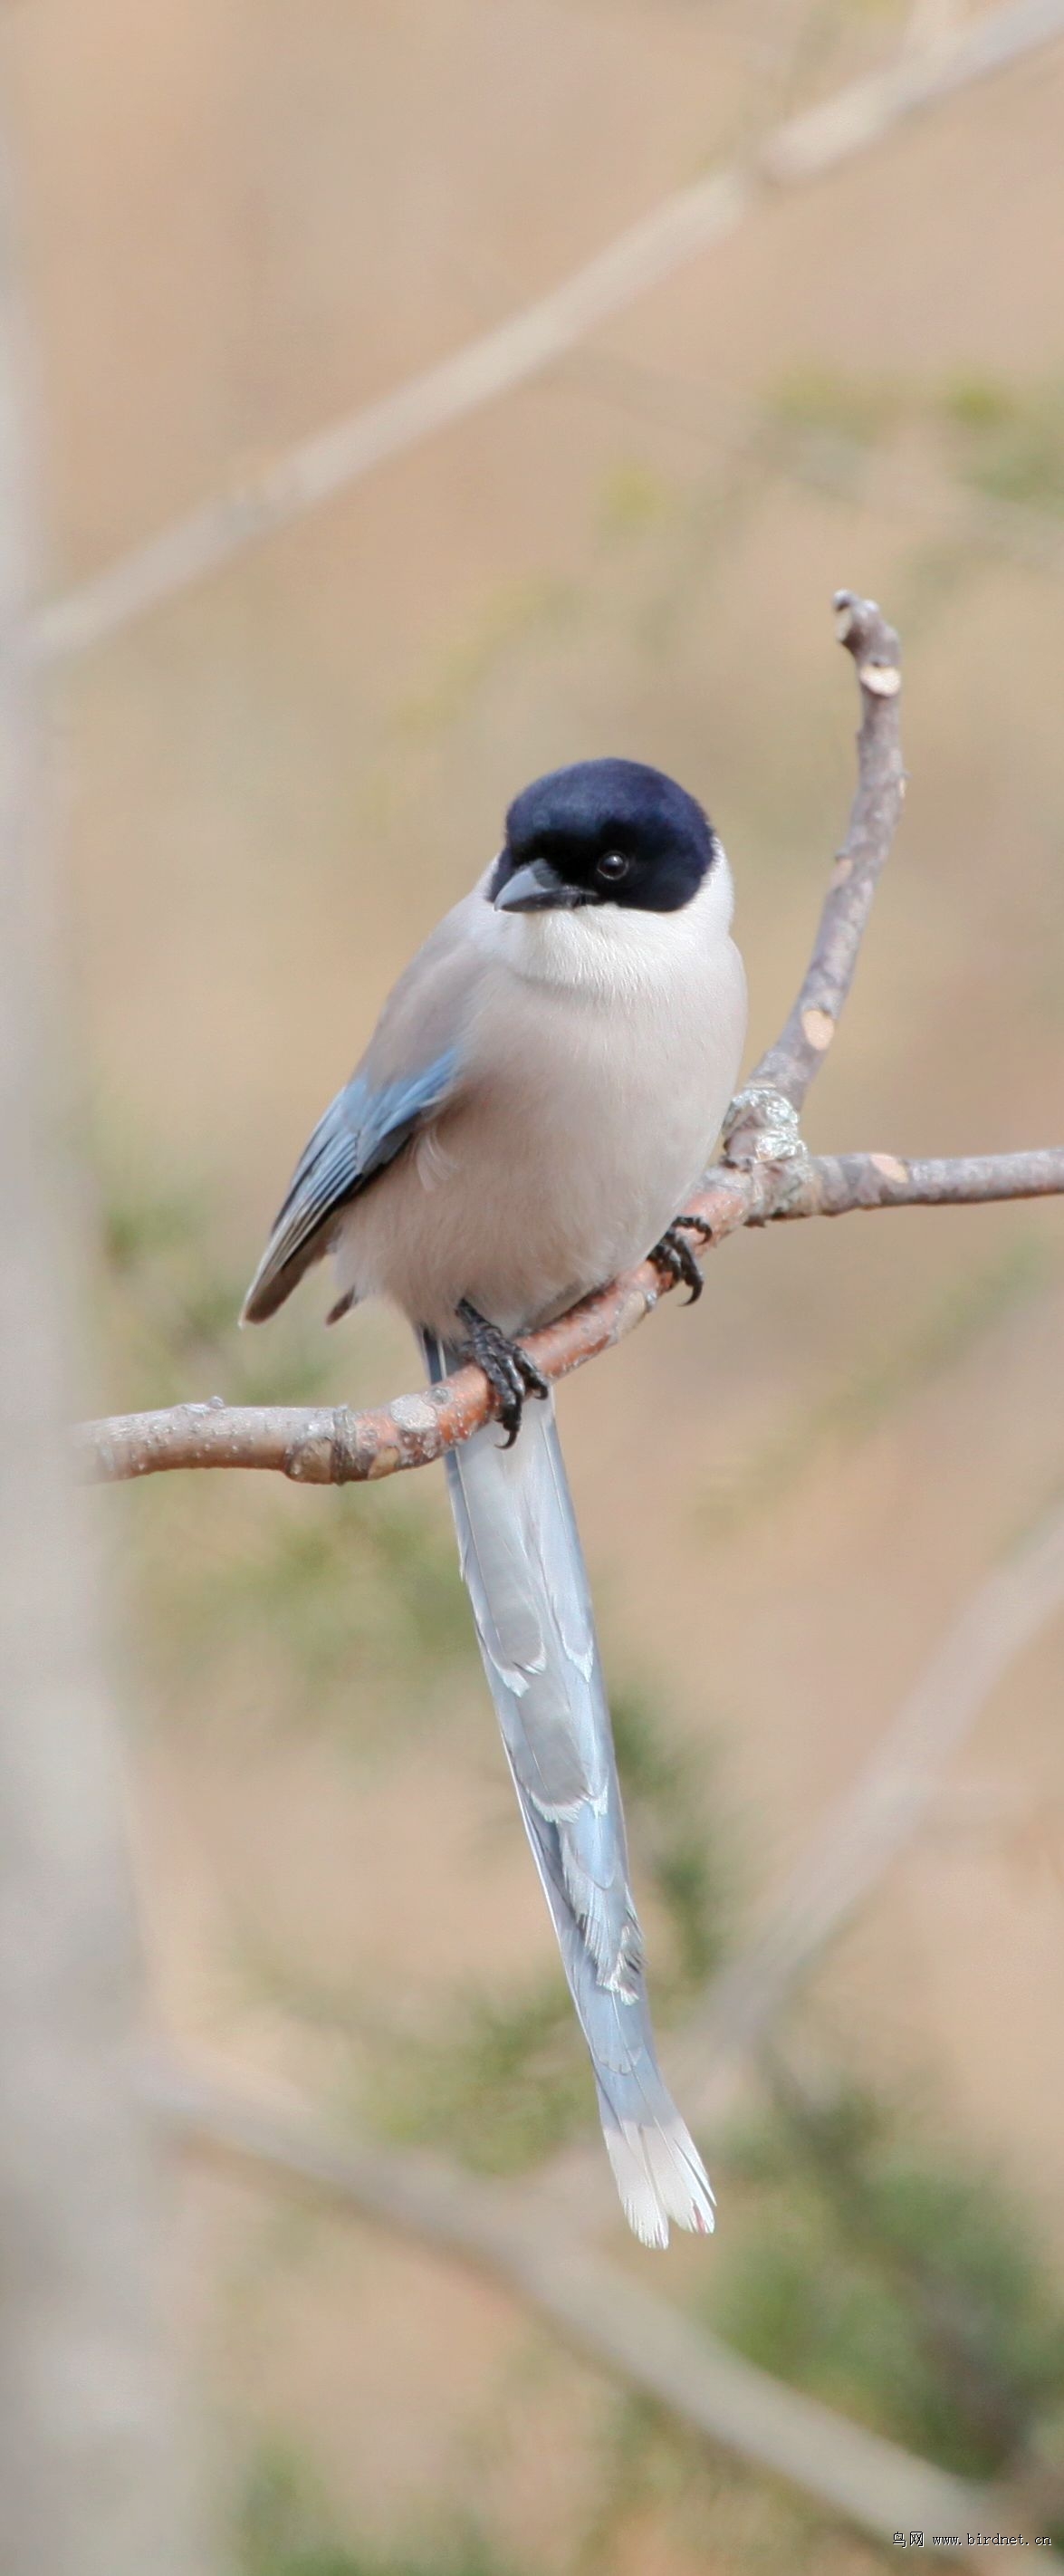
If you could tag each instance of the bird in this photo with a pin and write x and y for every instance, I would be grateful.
(539, 1100)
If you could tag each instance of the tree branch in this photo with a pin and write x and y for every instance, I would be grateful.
(529, 341)
(799, 1051)
(931, 23)
(331, 1445)
(513, 2236)
(768, 1178)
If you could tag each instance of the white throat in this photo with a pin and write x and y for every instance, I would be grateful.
(612, 949)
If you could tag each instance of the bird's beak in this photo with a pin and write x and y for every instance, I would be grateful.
(536, 887)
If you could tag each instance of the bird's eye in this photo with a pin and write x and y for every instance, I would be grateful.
(612, 866)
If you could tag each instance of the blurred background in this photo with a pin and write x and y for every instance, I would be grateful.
(239, 223)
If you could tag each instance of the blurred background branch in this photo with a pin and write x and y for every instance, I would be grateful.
(636, 2337)
(92, 2474)
(801, 150)
(888, 1804)
(730, 2025)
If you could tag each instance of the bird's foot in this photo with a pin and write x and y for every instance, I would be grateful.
(506, 1366)
(674, 1255)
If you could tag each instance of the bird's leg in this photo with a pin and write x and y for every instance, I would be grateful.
(675, 1256)
(506, 1366)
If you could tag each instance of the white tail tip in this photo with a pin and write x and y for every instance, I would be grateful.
(660, 2175)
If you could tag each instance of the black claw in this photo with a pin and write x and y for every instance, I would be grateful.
(507, 1367)
(534, 1381)
(675, 1256)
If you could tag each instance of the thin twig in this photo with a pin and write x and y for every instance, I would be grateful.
(519, 349)
(789, 1065)
(834, 1184)
(598, 2309)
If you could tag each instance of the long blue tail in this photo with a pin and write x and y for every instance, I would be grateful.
(525, 1575)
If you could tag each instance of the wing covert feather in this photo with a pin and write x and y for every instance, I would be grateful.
(411, 1069)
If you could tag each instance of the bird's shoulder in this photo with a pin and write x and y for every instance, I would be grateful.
(430, 1008)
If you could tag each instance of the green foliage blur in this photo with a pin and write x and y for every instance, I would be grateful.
(1002, 437)
(281, 1598)
(892, 2279)
(507, 2081)
(871, 1392)
(285, 2527)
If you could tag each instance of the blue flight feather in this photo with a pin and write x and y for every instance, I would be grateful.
(362, 1130)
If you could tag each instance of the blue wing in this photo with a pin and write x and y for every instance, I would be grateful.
(363, 1129)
